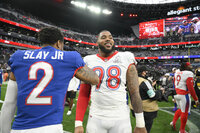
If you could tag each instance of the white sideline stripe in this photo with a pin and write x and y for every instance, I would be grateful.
(193, 111)
(191, 126)
(196, 113)
(1, 101)
(66, 132)
(5, 82)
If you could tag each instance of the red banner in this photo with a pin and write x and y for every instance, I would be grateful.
(151, 29)
(19, 44)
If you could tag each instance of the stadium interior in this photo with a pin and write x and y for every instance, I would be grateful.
(147, 28)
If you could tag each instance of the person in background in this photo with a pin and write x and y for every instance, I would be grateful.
(197, 83)
(184, 88)
(196, 24)
(149, 96)
(71, 93)
(165, 80)
(171, 80)
(185, 28)
(5, 76)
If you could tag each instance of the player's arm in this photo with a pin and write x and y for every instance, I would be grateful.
(87, 75)
(136, 101)
(82, 104)
(9, 105)
(190, 86)
(192, 28)
(148, 88)
(180, 30)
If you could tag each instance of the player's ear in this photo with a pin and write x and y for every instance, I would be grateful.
(59, 45)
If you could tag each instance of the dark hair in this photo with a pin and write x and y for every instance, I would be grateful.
(142, 69)
(50, 35)
(197, 72)
(184, 66)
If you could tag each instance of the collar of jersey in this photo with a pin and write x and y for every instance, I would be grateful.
(107, 58)
(48, 47)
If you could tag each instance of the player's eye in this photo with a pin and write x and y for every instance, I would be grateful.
(103, 37)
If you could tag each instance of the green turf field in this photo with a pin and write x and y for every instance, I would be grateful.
(160, 125)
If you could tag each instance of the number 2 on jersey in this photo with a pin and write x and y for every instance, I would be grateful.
(34, 97)
(113, 79)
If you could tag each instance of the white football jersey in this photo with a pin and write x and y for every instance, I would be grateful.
(108, 98)
(180, 79)
(197, 27)
(73, 84)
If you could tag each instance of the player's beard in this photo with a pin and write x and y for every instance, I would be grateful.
(107, 51)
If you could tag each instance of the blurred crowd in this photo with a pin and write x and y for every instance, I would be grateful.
(25, 36)
(21, 17)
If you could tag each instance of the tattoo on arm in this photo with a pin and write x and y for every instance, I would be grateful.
(133, 87)
(87, 75)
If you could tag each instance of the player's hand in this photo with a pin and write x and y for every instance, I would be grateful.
(79, 129)
(140, 130)
(197, 103)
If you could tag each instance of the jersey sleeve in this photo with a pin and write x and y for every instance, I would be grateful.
(181, 27)
(190, 86)
(79, 61)
(190, 74)
(131, 58)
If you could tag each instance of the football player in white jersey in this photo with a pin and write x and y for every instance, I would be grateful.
(184, 88)
(196, 24)
(109, 112)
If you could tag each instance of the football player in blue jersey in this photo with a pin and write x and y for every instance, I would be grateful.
(38, 83)
(185, 28)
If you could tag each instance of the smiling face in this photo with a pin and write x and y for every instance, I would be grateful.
(105, 42)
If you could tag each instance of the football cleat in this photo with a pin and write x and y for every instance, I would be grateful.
(69, 112)
(183, 131)
(173, 125)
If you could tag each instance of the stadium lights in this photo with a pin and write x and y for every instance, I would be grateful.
(79, 4)
(91, 8)
(149, 1)
(94, 9)
(107, 12)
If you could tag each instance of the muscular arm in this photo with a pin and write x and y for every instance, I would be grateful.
(180, 31)
(189, 83)
(82, 104)
(9, 105)
(133, 87)
(87, 75)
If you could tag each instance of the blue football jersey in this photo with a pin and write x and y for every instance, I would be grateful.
(186, 29)
(42, 77)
